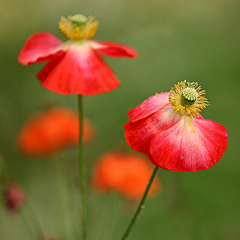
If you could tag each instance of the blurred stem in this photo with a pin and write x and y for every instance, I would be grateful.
(81, 168)
(29, 228)
(35, 216)
(32, 220)
(73, 202)
(183, 202)
(63, 198)
(141, 205)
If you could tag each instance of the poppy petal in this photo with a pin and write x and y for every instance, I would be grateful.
(80, 71)
(112, 49)
(149, 106)
(42, 75)
(140, 133)
(40, 47)
(190, 145)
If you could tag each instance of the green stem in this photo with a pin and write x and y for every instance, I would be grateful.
(81, 169)
(141, 205)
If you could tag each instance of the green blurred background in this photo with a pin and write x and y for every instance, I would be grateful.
(176, 40)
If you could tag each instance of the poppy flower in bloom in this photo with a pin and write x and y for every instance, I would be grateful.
(14, 197)
(170, 131)
(50, 131)
(125, 173)
(74, 66)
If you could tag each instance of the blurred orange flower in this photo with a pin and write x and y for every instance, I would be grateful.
(126, 173)
(48, 132)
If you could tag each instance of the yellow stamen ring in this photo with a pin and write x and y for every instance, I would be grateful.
(78, 27)
(186, 98)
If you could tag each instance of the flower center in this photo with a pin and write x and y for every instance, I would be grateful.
(186, 98)
(78, 27)
(189, 96)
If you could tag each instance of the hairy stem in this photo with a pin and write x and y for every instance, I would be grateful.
(81, 169)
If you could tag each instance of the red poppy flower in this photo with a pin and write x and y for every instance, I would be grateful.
(74, 66)
(50, 131)
(170, 131)
(125, 173)
(14, 197)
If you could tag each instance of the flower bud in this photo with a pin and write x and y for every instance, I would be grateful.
(14, 197)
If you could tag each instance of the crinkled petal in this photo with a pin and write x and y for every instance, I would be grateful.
(40, 47)
(190, 145)
(139, 134)
(112, 49)
(80, 71)
(149, 106)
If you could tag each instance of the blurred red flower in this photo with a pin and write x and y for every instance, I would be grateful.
(74, 66)
(48, 132)
(126, 173)
(47, 237)
(14, 196)
(168, 129)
